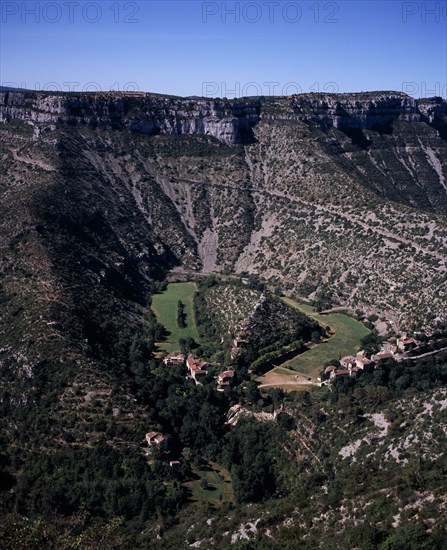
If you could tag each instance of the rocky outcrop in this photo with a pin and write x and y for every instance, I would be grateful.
(230, 121)
(365, 110)
(434, 110)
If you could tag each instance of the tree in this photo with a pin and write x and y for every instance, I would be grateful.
(252, 392)
(286, 421)
(187, 454)
(180, 315)
(371, 342)
(323, 299)
(410, 536)
(277, 395)
(187, 344)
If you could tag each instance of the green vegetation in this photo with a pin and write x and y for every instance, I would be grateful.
(165, 307)
(213, 485)
(225, 310)
(291, 467)
(268, 358)
(81, 380)
(392, 379)
(347, 335)
(323, 299)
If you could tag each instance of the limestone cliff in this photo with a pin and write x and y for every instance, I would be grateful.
(230, 122)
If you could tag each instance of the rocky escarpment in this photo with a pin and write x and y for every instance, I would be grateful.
(229, 121)
(369, 111)
(362, 111)
(435, 112)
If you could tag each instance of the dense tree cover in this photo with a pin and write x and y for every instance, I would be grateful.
(371, 342)
(109, 485)
(109, 480)
(59, 478)
(106, 482)
(109, 477)
(323, 299)
(253, 478)
(79, 487)
(130, 350)
(251, 453)
(102, 480)
(157, 287)
(187, 345)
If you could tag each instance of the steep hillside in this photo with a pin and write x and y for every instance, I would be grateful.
(102, 196)
(365, 473)
(256, 319)
(101, 193)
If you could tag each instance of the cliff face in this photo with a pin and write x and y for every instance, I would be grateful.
(102, 195)
(357, 112)
(435, 112)
(230, 122)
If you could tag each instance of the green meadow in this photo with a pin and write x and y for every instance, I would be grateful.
(213, 485)
(347, 333)
(164, 306)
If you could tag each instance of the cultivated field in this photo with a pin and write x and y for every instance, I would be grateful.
(346, 341)
(164, 306)
(286, 379)
(213, 485)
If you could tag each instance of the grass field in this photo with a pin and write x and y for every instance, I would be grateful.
(298, 387)
(305, 308)
(346, 341)
(165, 308)
(286, 372)
(287, 380)
(213, 485)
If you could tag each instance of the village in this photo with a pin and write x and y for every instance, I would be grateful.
(354, 366)
(349, 366)
(197, 371)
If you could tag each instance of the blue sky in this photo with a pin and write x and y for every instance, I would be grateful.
(220, 48)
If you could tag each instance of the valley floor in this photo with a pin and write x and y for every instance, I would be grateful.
(302, 371)
(164, 306)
